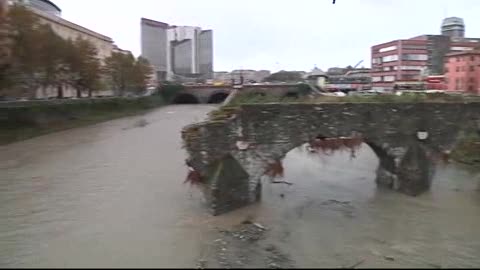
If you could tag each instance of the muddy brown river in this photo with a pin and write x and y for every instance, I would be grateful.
(112, 195)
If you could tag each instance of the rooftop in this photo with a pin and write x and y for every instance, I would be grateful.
(474, 52)
(453, 21)
(70, 25)
(153, 23)
(52, 4)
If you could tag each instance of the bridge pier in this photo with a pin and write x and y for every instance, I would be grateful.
(411, 171)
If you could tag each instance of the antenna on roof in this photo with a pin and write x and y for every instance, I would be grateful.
(334, 2)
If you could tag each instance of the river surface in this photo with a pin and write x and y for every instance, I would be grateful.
(112, 195)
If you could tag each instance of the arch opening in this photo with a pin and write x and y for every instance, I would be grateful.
(185, 99)
(218, 98)
(335, 167)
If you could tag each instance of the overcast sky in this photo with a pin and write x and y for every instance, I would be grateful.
(278, 34)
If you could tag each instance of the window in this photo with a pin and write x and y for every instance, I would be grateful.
(472, 68)
(410, 77)
(461, 48)
(390, 58)
(389, 78)
(376, 79)
(413, 47)
(471, 80)
(415, 57)
(472, 58)
(458, 59)
(446, 69)
(387, 49)
(411, 67)
(458, 69)
(387, 68)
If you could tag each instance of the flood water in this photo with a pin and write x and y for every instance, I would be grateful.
(112, 195)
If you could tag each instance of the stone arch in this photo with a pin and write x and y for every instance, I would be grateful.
(404, 137)
(218, 97)
(186, 99)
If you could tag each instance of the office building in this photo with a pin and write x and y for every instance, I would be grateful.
(408, 61)
(177, 52)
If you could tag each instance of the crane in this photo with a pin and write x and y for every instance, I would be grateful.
(359, 63)
(348, 73)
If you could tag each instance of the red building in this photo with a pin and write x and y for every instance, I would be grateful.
(462, 70)
(398, 60)
(403, 61)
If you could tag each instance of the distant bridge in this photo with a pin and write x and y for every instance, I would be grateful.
(204, 94)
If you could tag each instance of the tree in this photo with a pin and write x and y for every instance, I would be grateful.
(24, 67)
(118, 67)
(40, 58)
(53, 69)
(5, 46)
(84, 66)
(142, 73)
(284, 76)
(127, 74)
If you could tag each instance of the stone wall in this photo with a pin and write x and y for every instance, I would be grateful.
(258, 135)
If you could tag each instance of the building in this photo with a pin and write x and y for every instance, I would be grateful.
(453, 27)
(349, 79)
(408, 61)
(462, 71)
(42, 5)
(249, 75)
(49, 13)
(177, 52)
(116, 49)
(317, 78)
(154, 45)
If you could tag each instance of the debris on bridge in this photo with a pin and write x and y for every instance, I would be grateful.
(193, 176)
(275, 170)
(328, 146)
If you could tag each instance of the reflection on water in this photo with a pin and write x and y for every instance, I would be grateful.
(111, 195)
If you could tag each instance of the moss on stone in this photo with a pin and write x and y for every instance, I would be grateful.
(468, 150)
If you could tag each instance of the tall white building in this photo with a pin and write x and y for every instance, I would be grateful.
(184, 51)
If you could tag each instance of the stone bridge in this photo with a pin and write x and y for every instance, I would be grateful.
(232, 151)
(218, 94)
